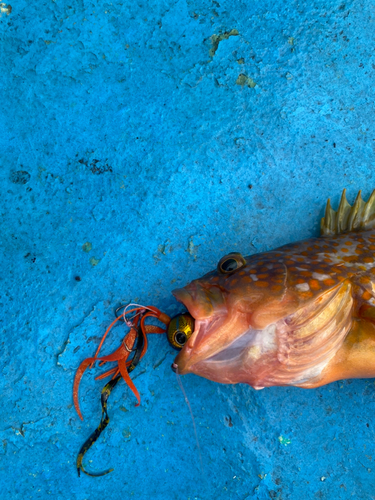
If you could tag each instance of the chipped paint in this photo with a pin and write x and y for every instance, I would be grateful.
(216, 39)
(87, 247)
(5, 9)
(192, 249)
(284, 441)
(245, 80)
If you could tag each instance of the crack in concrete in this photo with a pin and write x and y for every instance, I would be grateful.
(67, 341)
(158, 363)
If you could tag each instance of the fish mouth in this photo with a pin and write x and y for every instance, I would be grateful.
(210, 313)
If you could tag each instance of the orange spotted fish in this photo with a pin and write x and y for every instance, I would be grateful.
(301, 315)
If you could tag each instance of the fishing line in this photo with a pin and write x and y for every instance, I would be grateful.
(142, 309)
(192, 417)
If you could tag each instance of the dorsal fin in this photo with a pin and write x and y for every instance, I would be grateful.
(359, 217)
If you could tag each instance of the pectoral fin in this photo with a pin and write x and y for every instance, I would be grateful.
(356, 357)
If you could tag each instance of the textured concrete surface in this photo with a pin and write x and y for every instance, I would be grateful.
(139, 142)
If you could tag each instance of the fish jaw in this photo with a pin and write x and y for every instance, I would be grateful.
(217, 324)
(210, 337)
(250, 359)
(224, 320)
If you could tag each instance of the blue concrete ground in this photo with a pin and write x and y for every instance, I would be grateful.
(141, 141)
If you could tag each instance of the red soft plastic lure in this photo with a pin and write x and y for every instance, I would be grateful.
(120, 356)
(122, 353)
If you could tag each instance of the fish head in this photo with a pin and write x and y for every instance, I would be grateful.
(235, 308)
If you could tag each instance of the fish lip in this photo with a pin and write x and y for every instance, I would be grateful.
(189, 297)
(184, 296)
(201, 300)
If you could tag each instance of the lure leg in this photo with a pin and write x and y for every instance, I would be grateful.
(106, 374)
(128, 380)
(77, 379)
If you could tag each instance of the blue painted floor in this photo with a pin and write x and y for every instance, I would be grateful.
(140, 142)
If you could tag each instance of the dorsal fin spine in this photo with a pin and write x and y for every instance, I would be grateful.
(328, 216)
(369, 206)
(360, 216)
(357, 207)
(343, 212)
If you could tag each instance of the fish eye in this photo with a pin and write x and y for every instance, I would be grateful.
(231, 262)
(180, 329)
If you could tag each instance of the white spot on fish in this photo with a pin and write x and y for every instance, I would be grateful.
(318, 276)
(254, 277)
(303, 287)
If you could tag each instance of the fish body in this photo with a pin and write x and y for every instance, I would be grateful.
(302, 315)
